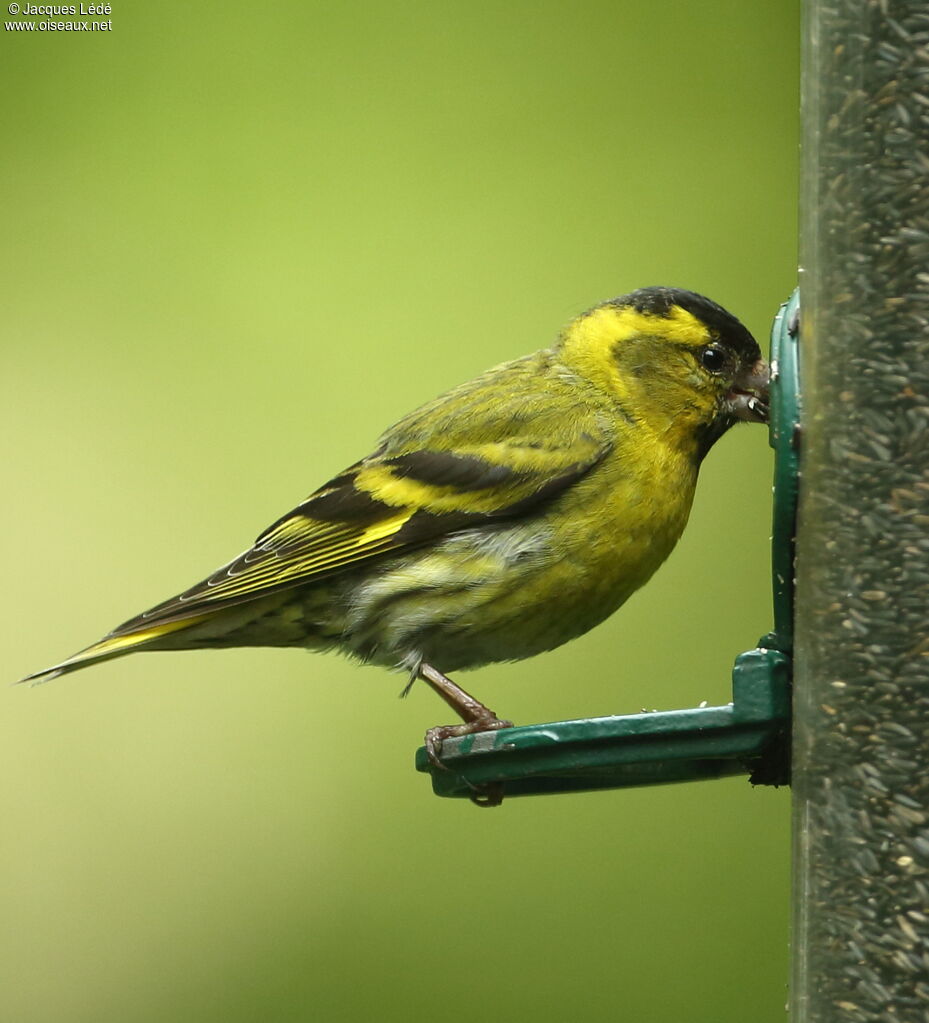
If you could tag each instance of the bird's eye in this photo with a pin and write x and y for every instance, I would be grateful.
(712, 358)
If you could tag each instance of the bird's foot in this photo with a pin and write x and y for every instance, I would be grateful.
(436, 736)
(477, 718)
(488, 794)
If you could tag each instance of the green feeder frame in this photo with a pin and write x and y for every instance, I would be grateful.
(748, 736)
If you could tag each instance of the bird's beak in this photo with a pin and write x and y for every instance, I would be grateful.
(748, 398)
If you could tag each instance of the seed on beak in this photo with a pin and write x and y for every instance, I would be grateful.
(748, 398)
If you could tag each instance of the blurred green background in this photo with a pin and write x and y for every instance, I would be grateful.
(239, 241)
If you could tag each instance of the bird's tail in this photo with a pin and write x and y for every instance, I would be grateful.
(112, 646)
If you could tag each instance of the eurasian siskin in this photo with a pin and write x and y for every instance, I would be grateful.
(502, 519)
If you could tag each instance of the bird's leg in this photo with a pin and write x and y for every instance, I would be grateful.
(476, 717)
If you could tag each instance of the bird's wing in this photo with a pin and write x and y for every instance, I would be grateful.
(401, 498)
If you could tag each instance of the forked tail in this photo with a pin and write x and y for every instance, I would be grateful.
(112, 646)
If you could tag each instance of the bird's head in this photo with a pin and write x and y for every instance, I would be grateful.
(673, 361)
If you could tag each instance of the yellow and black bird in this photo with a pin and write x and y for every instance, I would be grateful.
(500, 520)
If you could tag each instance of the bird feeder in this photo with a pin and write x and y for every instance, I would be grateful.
(750, 735)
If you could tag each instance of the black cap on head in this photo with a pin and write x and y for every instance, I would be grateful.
(660, 302)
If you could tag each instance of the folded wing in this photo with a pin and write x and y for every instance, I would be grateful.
(391, 502)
